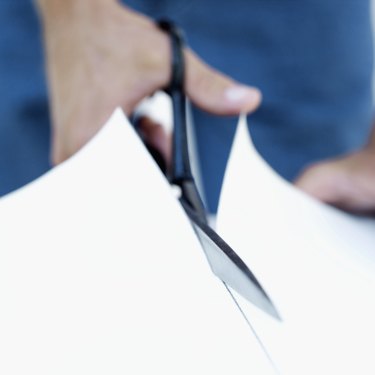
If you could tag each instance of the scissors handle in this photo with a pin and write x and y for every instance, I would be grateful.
(181, 174)
(181, 169)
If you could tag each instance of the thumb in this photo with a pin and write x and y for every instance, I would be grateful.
(347, 182)
(216, 93)
(323, 181)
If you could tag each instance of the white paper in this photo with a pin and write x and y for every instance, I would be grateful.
(101, 273)
(316, 263)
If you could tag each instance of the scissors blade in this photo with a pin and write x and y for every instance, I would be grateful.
(229, 267)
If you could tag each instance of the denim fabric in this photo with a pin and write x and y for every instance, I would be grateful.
(24, 124)
(312, 59)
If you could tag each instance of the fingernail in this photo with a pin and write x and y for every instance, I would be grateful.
(237, 94)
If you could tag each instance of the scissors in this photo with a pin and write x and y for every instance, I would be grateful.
(223, 260)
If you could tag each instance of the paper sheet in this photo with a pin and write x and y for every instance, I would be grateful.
(316, 263)
(101, 273)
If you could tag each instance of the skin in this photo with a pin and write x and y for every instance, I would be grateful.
(101, 55)
(346, 182)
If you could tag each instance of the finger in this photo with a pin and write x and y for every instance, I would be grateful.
(344, 183)
(216, 93)
(157, 137)
(323, 181)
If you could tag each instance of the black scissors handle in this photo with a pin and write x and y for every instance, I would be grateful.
(181, 169)
(181, 174)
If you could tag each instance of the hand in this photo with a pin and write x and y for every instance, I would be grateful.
(348, 182)
(101, 55)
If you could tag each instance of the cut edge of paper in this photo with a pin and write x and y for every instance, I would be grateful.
(244, 141)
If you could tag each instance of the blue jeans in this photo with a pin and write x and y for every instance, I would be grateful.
(24, 120)
(312, 59)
